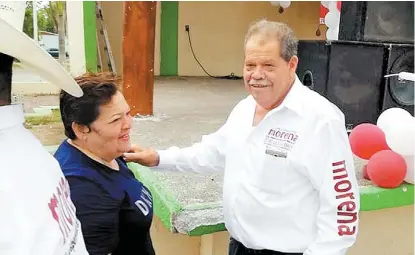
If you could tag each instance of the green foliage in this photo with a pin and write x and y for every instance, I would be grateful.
(53, 10)
(28, 20)
(44, 22)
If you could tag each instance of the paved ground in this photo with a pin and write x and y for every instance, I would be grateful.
(184, 110)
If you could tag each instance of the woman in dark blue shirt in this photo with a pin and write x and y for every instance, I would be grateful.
(114, 208)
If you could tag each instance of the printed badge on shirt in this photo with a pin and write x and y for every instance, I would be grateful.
(278, 142)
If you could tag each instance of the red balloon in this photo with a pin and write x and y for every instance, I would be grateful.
(387, 169)
(366, 139)
(339, 6)
(364, 173)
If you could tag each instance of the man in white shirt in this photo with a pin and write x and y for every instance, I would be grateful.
(37, 216)
(289, 178)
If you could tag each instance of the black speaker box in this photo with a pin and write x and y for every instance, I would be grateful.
(399, 93)
(351, 75)
(377, 21)
(313, 62)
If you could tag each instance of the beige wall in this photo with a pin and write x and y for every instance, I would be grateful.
(386, 232)
(113, 13)
(167, 243)
(383, 232)
(217, 31)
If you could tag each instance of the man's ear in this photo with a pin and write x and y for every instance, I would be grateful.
(293, 63)
(80, 130)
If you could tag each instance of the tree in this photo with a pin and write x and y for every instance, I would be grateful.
(56, 11)
(28, 19)
(44, 23)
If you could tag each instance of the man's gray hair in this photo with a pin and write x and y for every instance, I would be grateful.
(275, 30)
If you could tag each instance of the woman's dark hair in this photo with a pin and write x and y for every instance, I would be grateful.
(98, 90)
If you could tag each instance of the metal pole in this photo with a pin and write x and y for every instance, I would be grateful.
(35, 33)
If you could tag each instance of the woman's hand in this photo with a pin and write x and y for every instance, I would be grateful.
(146, 157)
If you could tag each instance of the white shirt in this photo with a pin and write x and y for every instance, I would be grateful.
(37, 216)
(289, 183)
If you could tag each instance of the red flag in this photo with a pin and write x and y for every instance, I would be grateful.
(323, 12)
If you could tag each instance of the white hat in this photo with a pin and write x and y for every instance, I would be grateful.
(17, 44)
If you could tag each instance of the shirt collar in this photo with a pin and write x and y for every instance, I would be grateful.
(11, 115)
(293, 100)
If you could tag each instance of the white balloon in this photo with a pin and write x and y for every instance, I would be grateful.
(332, 34)
(400, 136)
(333, 6)
(336, 33)
(391, 117)
(326, 3)
(275, 3)
(329, 34)
(409, 178)
(332, 19)
(285, 4)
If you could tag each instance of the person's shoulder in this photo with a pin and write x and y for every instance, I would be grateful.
(82, 172)
(71, 162)
(320, 108)
(24, 154)
(85, 180)
(242, 105)
(62, 150)
(247, 101)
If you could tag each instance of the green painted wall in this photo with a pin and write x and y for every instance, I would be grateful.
(169, 38)
(90, 27)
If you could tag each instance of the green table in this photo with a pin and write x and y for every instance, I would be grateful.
(197, 219)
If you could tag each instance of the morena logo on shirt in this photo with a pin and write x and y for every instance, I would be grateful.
(346, 209)
(286, 135)
(63, 211)
(280, 140)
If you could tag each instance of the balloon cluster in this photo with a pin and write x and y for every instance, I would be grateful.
(283, 4)
(389, 147)
(332, 18)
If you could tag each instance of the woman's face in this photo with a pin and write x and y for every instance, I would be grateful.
(109, 136)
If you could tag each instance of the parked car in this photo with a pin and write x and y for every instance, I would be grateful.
(55, 52)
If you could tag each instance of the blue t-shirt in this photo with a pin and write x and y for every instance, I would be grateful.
(114, 208)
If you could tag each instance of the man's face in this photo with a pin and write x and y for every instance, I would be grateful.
(267, 76)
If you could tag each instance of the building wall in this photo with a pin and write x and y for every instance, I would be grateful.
(217, 31)
(50, 41)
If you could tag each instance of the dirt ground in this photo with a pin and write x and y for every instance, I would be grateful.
(184, 110)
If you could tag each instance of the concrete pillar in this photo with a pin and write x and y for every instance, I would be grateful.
(76, 38)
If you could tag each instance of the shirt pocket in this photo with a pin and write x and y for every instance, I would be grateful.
(272, 176)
